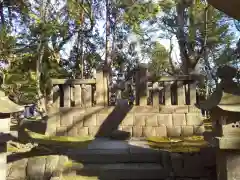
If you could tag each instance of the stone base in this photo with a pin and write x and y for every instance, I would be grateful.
(228, 162)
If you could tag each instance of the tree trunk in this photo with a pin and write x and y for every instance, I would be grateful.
(181, 37)
(2, 14)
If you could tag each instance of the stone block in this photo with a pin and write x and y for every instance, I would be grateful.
(137, 131)
(149, 131)
(144, 109)
(36, 168)
(83, 131)
(78, 120)
(179, 119)
(51, 165)
(165, 119)
(101, 118)
(187, 131)
(106, 110)
(177, 163)
(166, 109)
(90, 120)
(194, 109)
(139, 120)
(194, 119)
(17, 169)
(199, 130)
(181, 109)
(161, 131)
(61, 131)
(66, 119)
(73, 132)
(151, 120)
(93, 130)
(174, 131)
(128, 129)
(51, 129)
(128, 120)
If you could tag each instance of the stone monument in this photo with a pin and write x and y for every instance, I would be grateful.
(7, 107)
(224, 107)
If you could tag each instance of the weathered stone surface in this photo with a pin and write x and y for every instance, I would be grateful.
(165, 119)
(194, 109)
(161, 131)
(36, 167)
(194, 119)
(18, 170)
(101, 118)
(66, 119)
(83, 131)
(128, 120)
(137, 131)
(179, 119)
(166, 109)
(78, 120)
(139, 120)
(181, 109)
(73, 132)
(93, 130)
(149, 131)
(174, 131)
(51, 165)
(60, 166)
(176, 163)
(61, 131)
(187, 131)
(199, 130)
(144, 109)
(90, 120)
(151, 120)
(128, 129)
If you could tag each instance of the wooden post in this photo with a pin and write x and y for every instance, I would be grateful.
(101, 89)
(181, 97)
(141, 86)
(67, 95)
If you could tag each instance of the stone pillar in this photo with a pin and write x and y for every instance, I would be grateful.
(141, 86)
(101, 89)
(228, 163)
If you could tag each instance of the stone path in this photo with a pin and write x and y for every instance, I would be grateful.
(112, 160)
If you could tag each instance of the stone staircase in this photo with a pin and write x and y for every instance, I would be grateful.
(115, 160)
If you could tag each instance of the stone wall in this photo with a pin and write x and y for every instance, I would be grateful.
(139, 121)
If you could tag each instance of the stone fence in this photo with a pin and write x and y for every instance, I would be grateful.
(80, 107)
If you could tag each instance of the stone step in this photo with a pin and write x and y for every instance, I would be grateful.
(115, 156)
(119, 171)
(116, 152)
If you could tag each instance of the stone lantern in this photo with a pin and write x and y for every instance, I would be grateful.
(224, 108)
(7, 107)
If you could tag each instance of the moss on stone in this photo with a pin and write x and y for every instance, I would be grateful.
(78, 142)
(80, 178)
(185, 144)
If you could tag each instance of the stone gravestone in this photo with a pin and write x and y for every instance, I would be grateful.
(7, 107)
(224, 107)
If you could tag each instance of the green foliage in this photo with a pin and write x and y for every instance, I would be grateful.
(159, 62)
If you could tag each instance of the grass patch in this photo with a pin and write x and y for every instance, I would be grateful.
(59, 140)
